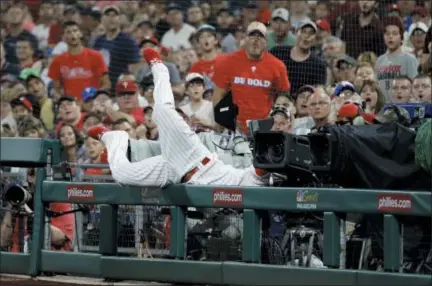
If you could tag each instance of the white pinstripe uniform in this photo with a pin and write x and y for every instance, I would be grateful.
(182, 150)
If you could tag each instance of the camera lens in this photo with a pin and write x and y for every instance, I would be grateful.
(276, 153)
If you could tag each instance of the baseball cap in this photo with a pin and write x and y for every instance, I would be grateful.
(251, 4)
(206, 27)
(417, 26)
(102, 91)
(280, 109)
(149, 39)
(88, 93)
(193, 76)
(307, 23)
(393, 8)
(93, 12)
(173, 6)
(70, 10)
(66, 97)
(307, 88)
(257, 27)
(22, 100)
(28, 73)
(323, 25)
(347, 60)
(126, 86)
(147, 109)
(111, 8)
(342, 86)
(280, 13)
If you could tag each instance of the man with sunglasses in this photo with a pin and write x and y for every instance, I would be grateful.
(252, 75)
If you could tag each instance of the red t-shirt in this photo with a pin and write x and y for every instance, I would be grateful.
(77, 72)
(204, 67)
(252, 83)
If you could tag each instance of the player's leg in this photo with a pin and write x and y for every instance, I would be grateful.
(180, 146)
(148, 172)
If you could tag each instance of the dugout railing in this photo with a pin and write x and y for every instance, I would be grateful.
(106, 264)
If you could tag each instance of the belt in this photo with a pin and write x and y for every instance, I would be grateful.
(186, 178)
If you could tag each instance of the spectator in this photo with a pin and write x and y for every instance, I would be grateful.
(347, 67)
(21, 106)
(70, 14)
(371, 94)
(26, 55)
(282, 119)
(146, 89)
(363, 31)
(78, 68)
(152, 132)
(299, 13)
(42, 29)
(124, 125)
(91, 24)
(119, 50)
(178, 36)
(199, 111)
(144, 70)
(15, 17)
(422, 88)
(406, 9)
(127, 100)
(141, 132)
(417, 36)
(195, 16)
(284, 101)
(7, 120)
(319, 108)
(394, 63)
(102, 100)
(225, 31)
(368, 57)
(91, 119)
(70, 141)
(88, 95)
(55, 30)
(144, 30)
(401, 89)
(322, 10)
(280, 34)
(332, 47)
(208, 43)
(70, 112)
(96, 154)
(324, 31)
(30, 127)
(251, 86)
(303, 66)
(364, 71)
(249, 13)
(264, 12)
(7, 68)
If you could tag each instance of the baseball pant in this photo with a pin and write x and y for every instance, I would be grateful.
(152, 171)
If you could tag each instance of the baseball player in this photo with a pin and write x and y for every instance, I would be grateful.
(184, 157)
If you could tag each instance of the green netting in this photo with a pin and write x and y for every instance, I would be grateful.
(424, 146)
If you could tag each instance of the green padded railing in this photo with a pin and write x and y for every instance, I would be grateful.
(333, 202)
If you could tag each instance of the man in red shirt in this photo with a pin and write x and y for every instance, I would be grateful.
(206, 35)
(127, 100)
(252, 74)
(79, 67)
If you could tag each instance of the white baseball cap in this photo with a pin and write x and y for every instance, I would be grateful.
(417, 26)
(281, 13)
(306, 23)
(192, 76)
(256, 26)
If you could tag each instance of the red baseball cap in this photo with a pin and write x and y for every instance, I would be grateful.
(323, 25)
(126, 86)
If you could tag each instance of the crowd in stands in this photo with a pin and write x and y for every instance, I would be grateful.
(69, 65)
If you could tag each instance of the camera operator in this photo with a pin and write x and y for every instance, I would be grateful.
(62, 227)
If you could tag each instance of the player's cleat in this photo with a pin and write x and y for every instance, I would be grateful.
(151, 56)
(97, 131)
